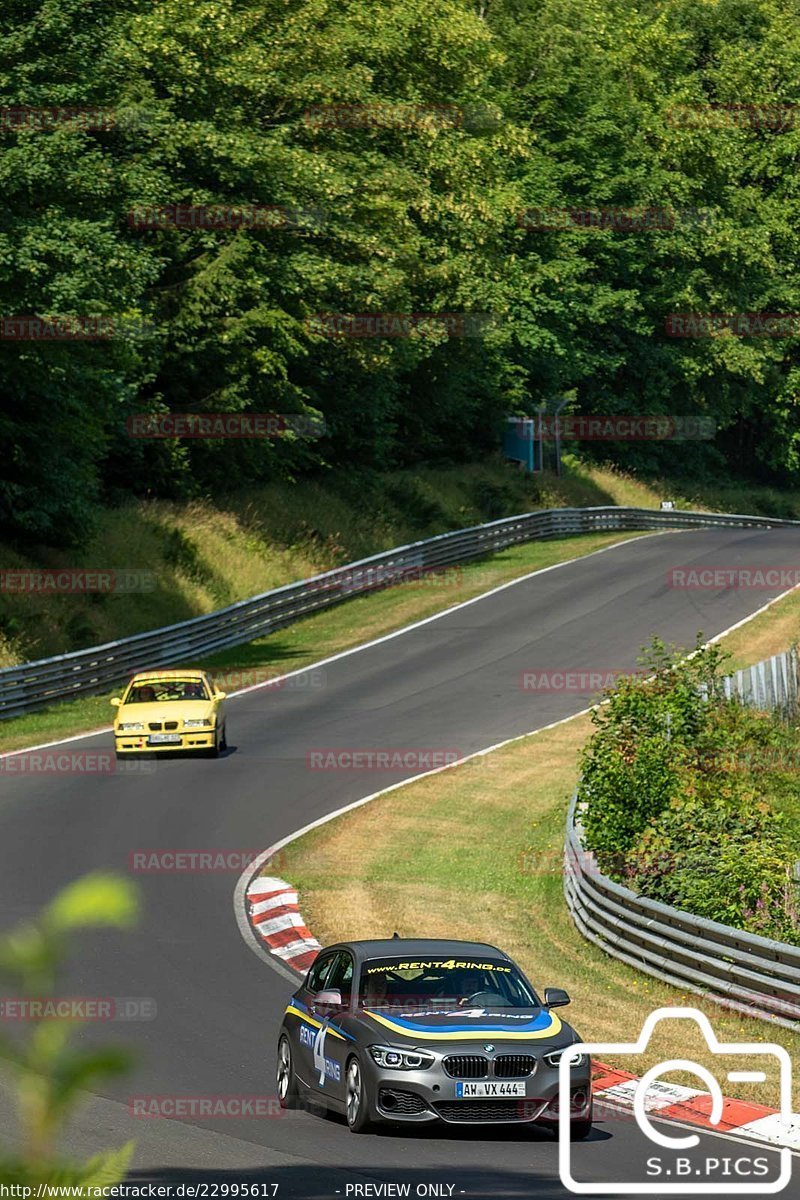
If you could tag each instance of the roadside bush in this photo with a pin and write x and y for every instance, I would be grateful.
(652, 725)
(686, 793)
(721, 852)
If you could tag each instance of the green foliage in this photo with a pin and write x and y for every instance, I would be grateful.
(681, 785)
(720, 851)
(652, 723)
(48, 1071)
(560, 104)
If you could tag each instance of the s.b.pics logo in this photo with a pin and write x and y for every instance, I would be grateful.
(672, 1159)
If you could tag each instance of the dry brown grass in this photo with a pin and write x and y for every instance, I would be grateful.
(765, 635)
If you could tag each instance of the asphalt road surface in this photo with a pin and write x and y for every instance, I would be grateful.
(451, 683)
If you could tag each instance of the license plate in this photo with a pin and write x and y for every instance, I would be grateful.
(158, 739)
(465, 1091)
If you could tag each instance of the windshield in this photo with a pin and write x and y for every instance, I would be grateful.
(151, 691)
(418, 983)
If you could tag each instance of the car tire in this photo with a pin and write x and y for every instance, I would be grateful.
(214, 752)
(285, 1078)
(223, 745)
(356, 1104)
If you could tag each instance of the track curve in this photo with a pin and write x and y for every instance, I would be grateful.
(451, 682)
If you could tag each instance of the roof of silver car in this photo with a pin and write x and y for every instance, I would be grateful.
(383, 947)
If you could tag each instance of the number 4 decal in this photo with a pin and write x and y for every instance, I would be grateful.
(319, 1053)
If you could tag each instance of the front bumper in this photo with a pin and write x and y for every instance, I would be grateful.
(191, 739)
(418, 1097)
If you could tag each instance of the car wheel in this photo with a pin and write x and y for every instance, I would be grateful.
(285, 1077)
(215, 749)
(356, 1099)
(223, 745)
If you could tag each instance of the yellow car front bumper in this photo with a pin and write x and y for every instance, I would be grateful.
(139, 743)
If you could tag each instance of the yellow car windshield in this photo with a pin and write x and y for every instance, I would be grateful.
(158, 691)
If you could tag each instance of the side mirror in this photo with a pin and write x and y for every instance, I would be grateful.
(332, 998)
(115, 703)
(220, 695)
(555, 998)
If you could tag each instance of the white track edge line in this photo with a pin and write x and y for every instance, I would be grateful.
(272, 683)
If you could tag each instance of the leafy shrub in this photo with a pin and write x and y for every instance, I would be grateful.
(682, 788)
(720, 852)
(652, 724)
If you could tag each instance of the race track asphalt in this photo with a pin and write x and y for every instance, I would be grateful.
(450, 683)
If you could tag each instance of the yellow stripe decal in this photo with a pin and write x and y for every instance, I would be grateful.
(296, 1012)
(481, 1035)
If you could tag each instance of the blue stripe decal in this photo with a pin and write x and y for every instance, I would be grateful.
(538, 1023)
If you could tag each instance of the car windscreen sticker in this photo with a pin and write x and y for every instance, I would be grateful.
(448, 964)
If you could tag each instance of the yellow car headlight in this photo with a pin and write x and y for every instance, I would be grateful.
(204, 724)
(130, 727)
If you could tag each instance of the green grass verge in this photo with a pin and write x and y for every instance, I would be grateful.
(207, 553)
(348, 624)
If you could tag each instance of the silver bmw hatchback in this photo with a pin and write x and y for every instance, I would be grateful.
(413, 1031)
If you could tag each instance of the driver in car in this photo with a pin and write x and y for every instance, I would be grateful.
(474, 985)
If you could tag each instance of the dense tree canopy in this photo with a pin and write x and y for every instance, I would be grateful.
(401, 143)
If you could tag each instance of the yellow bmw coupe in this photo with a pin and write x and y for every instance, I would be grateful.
(168, 711)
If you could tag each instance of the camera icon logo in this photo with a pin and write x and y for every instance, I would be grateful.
(754, 1057)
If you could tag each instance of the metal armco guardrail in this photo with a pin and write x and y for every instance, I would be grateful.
(773, 683)
(740, 970)
(34, 685)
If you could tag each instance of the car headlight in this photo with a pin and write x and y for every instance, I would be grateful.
(130, 727)
(197, 724)
(554, 1058)
(401, 1060)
